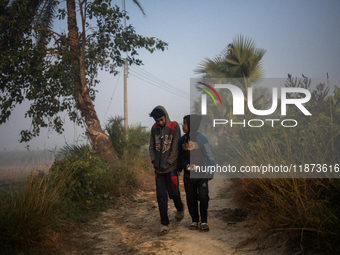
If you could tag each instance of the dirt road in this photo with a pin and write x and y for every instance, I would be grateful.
(132, 227)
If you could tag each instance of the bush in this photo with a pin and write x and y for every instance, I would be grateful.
(31, 214)
(123, 143)
(89, 181)
(305, 211)
(79, 185)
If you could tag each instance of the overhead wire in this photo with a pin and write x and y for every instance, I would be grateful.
(153, 80)
(158, 86)
(113, 93)
(139, 69)
(157, 82)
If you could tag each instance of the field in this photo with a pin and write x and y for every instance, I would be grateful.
(16, 175)
(16, 166)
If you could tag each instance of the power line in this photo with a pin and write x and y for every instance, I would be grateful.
(113, 93)
(150, 79)
(159, 86)
(158, 80)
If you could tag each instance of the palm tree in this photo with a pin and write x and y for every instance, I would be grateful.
(138, 136)
(240, 59)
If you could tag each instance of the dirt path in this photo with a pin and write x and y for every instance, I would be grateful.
(132, 227)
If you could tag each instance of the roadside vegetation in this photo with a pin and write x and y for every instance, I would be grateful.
(303, 212)
(79, 185)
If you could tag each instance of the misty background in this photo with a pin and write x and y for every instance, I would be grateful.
(300, 37)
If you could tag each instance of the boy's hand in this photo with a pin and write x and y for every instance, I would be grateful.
(178, 173)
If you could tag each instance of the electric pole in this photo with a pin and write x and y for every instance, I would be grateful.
(125, 83)
(125, 99)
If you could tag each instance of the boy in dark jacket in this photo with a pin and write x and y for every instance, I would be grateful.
(194, 150)
(163, 153)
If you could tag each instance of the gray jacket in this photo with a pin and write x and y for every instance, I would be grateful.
(164, 144)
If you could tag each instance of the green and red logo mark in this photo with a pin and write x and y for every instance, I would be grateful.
(208, 92)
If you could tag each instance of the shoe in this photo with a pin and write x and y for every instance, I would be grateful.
(179, 215)
(204, 227)
(164, 230)
(193, 226)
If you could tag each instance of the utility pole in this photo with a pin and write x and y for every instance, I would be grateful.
(125, 84)
(125, 99)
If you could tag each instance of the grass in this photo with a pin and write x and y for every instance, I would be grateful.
(31, 214)
(305, 212)
(38, 212)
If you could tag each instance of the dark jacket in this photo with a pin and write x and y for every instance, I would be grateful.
(193, 148)
(164, 144)
(200, 155)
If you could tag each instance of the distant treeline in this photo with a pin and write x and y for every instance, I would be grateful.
(26, 157)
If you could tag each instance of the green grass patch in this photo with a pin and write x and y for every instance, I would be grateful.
(77, 187)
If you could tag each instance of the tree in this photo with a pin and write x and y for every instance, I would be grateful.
(240, 61)
(60, 72)
(138, 136)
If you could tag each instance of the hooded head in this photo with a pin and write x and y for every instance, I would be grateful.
(160, 115)
(193, 123)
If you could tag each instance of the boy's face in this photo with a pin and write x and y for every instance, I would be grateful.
(185, 126)
(160, 121)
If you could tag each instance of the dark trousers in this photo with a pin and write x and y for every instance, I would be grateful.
(167, 184)
(196, 190)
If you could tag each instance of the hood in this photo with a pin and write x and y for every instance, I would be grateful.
(167, 118)
(194, 122)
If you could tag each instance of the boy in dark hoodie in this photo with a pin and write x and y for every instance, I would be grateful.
(163, 153)
(194, 150)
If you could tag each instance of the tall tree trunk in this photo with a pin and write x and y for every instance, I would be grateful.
(99, 139)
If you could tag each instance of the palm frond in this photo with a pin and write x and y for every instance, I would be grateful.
(72, 150)
(136, 2)
(240, 59)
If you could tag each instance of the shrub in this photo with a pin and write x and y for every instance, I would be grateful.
(79, 185)
(31, 214)
(306, 211)
(136, 138)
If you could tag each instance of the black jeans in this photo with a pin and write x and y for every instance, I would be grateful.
(167, 184)
(196, 190)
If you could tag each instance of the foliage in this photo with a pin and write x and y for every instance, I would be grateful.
(36, 61)
(26, 72)
(89, 181)
(136, 138)
(83, 179)
(240, 64)
(116, 133)
(72, 150)
(79, 185)
(240, 59)
(31, 214)
(304, 211)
